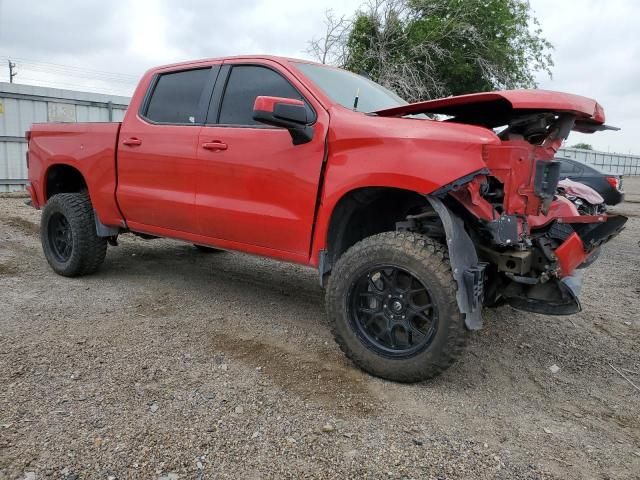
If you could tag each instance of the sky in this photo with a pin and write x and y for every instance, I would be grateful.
(106, 46)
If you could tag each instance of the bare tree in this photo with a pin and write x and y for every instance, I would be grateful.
(396, 67)
(331, 48)
(411, 71)
(401, 65)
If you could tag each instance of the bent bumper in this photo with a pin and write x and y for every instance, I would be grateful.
(589, 233)
(559, 295)
(556, 297)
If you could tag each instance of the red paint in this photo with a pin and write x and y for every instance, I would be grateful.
(88, 147)
(249, 188)
(570, 254)
(35, 201)
(268, 104)
(417, 155)
(470, 197)
(560, 207)
(261, 192)
(583, 219)
(517, 100)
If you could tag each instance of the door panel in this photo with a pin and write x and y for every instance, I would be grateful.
(260, 189)
(157, 151)
(156, 179)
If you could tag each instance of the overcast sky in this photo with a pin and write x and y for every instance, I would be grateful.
(597, 44)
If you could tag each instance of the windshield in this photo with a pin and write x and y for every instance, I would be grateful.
(343, 86)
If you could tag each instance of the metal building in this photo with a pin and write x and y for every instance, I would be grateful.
(22, 105)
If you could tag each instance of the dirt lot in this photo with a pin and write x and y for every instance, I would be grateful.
(174, 364)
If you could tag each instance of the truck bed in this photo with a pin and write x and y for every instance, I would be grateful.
(90, 148)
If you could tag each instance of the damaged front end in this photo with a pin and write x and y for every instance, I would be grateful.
(529, 241)
(532, 239)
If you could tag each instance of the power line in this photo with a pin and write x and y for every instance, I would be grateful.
(40, 69)
(67, 76)
(75, 86)
(70, 68)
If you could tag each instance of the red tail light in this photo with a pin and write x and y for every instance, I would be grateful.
(614, 182)
(27, 135)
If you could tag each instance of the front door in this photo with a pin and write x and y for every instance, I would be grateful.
(255, 187)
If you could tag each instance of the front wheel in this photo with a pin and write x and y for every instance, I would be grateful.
(391, 303)
(68, 235)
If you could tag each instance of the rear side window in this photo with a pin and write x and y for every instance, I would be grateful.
(176, 97)
(569, 168)
(247, 82)
(589, 170)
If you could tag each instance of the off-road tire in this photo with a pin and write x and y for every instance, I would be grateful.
(205, 249)
(429, 262)
(88, 249)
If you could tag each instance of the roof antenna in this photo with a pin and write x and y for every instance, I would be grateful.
(355, 100)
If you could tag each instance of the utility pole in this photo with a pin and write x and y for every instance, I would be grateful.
(11, 72)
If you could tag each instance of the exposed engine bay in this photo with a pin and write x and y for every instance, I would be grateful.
(532, 232)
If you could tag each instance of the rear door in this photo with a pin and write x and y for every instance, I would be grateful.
(258, 188)
(157, 151)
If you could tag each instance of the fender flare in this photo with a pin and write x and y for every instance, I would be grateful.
(467, 271)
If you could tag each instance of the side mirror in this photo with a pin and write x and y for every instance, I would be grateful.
(288, 113)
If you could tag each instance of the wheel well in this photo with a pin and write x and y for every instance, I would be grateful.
(368, 211)
(63, 179)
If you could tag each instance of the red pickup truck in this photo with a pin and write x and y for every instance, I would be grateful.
(416, 215)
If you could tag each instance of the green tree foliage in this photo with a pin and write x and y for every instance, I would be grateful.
(584, 146)
(430, 48)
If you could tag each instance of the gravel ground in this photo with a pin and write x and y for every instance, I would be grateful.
(170, 363)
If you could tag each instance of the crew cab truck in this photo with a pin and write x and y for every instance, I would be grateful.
(416, 215)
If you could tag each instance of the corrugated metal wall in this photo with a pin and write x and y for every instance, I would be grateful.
(22, 105)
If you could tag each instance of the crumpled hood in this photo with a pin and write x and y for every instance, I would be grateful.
(494, 109)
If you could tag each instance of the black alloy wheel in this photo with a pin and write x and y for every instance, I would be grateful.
(60, 237)
(391, 305)
(393, 311)
(68, 233)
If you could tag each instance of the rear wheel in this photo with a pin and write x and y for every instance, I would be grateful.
(68, 235)
(391, 302)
